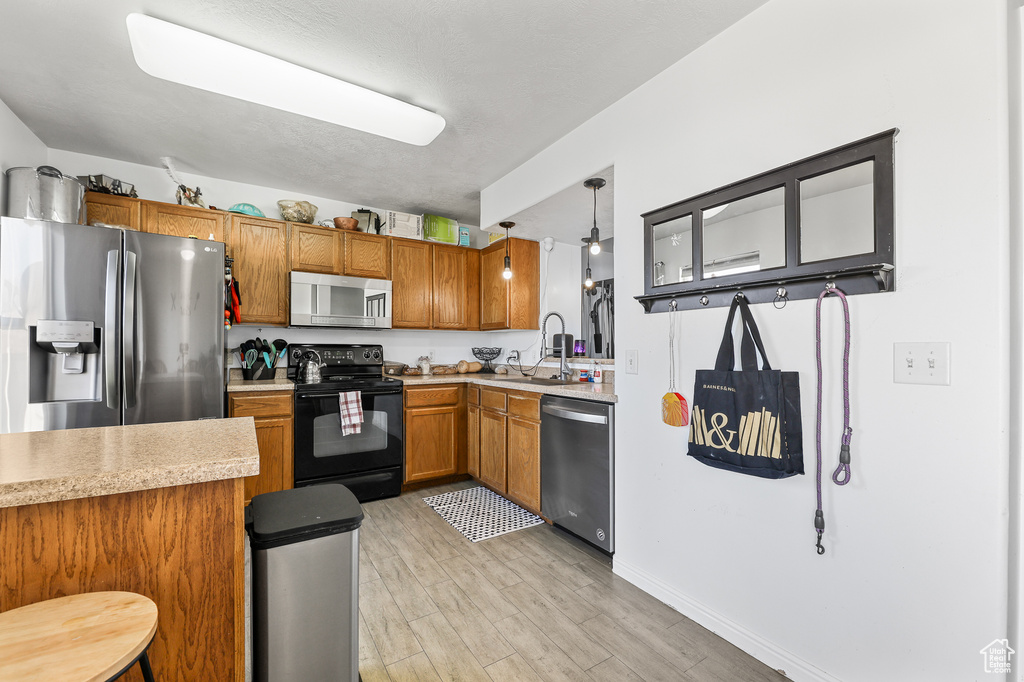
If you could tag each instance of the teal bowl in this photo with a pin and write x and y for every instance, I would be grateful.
(247, 209)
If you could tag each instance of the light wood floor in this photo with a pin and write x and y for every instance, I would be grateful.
(532, 605)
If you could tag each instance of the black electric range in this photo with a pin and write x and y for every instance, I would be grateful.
(369, 463)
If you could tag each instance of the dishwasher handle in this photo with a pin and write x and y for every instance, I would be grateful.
(574, 415)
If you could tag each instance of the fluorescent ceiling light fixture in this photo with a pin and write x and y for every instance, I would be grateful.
(200, 61)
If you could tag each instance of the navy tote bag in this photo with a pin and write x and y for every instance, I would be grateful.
(747, 421)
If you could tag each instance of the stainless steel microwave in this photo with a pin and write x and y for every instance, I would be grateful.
(333, 301)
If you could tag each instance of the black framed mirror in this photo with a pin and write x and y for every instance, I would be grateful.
(782, 234)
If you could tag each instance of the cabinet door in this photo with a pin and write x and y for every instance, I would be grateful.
(274, 438)
(492, 449)
(315, 249)
(473, 432)
(411, 284)
(260, 249)
(367, 255)
(524, 462)
(450, 288)
(493, 288)
(430, 445)
(472, 289)
(183, 221)
(524, 288)
(113, 210)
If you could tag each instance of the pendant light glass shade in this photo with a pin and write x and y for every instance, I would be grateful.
(507, 273)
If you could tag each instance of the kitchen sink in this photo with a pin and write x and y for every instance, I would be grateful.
(543, 381)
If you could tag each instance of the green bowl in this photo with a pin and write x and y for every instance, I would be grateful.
(247, 209)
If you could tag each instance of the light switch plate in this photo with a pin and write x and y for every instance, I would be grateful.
(632, 362)
(921, 363)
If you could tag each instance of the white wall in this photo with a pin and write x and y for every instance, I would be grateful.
(18, 147)
(914, 581)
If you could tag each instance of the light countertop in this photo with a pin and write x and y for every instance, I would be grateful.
(50, 466)
(280, 382)
(587, 391)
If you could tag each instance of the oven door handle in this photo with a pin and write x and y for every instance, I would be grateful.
(331, 394)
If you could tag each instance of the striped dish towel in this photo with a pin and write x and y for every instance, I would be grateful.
(350, 412)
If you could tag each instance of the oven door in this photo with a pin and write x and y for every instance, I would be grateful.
(321, 451)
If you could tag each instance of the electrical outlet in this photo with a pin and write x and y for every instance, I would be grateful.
(921, 363)
(632, 362)
(513, 356)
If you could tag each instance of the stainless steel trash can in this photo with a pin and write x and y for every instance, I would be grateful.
(305, 580)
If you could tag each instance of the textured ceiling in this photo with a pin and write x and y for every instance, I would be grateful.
(510, 78)
(568, 215)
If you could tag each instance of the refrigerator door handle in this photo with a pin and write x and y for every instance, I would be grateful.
(129, 328)
(110, 333)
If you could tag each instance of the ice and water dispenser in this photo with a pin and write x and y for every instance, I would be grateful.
(64, 361)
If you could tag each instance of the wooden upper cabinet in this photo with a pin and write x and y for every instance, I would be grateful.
(315, 249)
(450, 290)
(514, 303)
(367, 255)
(260, 250)
(411, 284)
(111, 209)
(184, 221)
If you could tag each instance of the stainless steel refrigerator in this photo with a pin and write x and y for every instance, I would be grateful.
(102, 326)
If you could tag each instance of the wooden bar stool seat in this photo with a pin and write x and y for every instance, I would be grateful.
(91, 636)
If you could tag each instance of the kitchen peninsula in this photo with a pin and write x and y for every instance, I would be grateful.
(154, 509)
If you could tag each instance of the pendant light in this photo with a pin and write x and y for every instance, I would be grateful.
(507, 273)
(589, 281)
(595, 235)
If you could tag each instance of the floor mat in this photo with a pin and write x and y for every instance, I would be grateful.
(480, 514)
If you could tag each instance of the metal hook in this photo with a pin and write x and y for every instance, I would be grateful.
(780, 295)
(704, 300)
(829, 286)
(821, 549)
(739, 294)
(672, 305)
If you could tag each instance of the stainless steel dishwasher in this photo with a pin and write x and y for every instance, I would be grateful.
(577, 467)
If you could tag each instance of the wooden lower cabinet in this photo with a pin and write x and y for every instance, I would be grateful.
(507, 436)
(524, 462)
(473, 445)
(272, 412)
(493, 435)
(435, 421)
(180, 546)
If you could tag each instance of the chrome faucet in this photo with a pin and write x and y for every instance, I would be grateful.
(563, 368)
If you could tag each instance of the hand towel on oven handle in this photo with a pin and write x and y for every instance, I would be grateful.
(350, 412)
(747, 421)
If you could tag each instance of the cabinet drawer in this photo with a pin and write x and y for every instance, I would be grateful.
(493, 398)
(431, 396)
(474, 395)
(260, 404)
(525, 405)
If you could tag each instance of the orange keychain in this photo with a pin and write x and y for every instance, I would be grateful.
(674, 410)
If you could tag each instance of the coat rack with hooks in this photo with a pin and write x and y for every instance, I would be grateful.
(826, 218)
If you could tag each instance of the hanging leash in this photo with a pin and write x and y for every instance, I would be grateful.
(842, 474)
